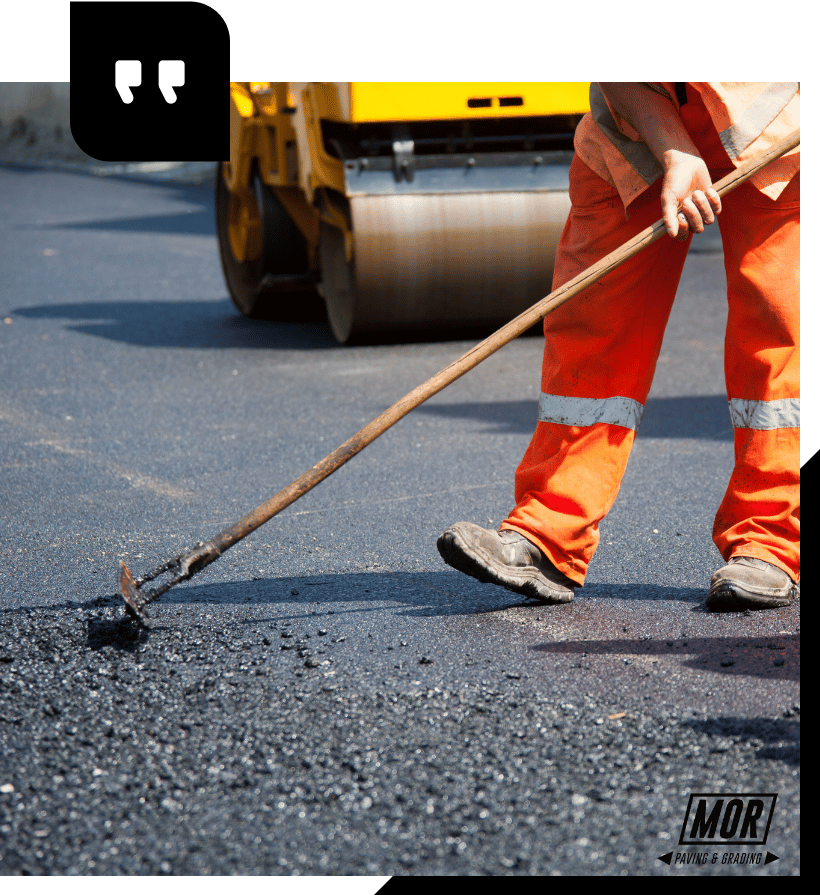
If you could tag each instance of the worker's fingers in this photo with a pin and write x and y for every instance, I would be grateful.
(671, 219)
(692, 214)
(707, 214)
(713, 196)
(708, 203)
(697, 211)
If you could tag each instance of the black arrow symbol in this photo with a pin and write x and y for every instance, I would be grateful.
(667, 858)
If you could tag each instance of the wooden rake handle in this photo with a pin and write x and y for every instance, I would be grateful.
(203, 554)
(483, 350)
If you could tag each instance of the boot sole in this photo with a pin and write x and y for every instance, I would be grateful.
(527, 581)
(728, 597)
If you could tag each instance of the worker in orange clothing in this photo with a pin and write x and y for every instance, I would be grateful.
(645, 147)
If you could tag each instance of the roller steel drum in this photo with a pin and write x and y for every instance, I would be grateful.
(436, 261)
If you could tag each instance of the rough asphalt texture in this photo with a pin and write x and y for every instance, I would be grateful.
(328, 697)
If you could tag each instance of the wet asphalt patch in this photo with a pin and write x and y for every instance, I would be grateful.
(197, 749)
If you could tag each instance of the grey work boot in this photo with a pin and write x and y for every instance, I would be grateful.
(506, 558)
(750, 583)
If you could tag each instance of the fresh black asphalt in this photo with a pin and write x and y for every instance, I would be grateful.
(328, 698)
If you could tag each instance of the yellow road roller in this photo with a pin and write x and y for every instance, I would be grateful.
(406, 208)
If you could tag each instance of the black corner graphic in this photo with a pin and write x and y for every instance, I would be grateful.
(159, 106)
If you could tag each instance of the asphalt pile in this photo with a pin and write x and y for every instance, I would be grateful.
(192, 750)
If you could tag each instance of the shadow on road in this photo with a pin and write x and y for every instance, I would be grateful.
(209, 323)
(214, 324)
(446, 594)
(186, 223)
(426, 594)
(689, 416)
(783, 734)
(770, 656)
(199, 221)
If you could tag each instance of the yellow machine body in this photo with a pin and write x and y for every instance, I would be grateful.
(423, 100)
(411, 206)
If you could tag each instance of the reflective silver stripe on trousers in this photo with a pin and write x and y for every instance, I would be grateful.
(781, 414)
(566, 411)
(758, 116)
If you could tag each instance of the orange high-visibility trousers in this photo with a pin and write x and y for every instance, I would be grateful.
(600, 352)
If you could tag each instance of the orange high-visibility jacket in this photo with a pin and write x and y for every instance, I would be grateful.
(748, 116)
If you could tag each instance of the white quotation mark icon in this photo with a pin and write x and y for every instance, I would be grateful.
(128, 74)
(171, 74)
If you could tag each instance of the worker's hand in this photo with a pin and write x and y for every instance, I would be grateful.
(688, 200)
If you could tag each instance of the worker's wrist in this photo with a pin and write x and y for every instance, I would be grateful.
(671, 157)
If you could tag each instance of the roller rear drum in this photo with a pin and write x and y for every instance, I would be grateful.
(264, 256)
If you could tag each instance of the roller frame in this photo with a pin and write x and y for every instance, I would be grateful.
(401, 249)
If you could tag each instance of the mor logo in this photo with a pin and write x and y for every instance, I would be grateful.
(727, 818)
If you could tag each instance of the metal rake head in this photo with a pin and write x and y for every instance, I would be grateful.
(179, 568)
